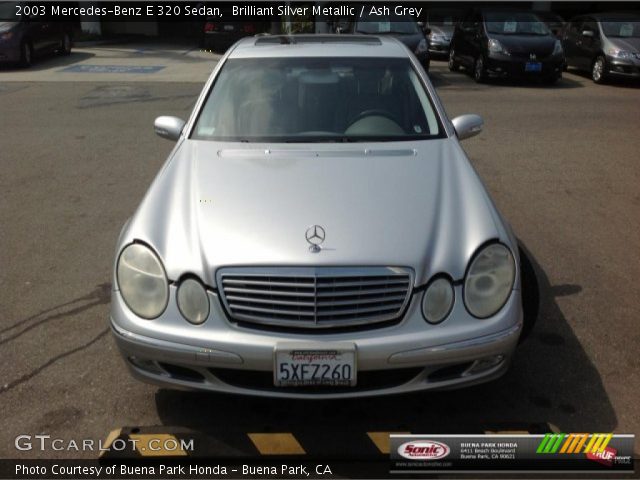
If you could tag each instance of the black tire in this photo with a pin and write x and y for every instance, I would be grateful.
(479, 70)
(530, 294)
(453, 65)
(65, 45)
(26, 54)
(599, 70)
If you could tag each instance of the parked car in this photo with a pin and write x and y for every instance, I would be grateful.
(317, 231)
(554, 21)
(219, 35)
(606, 44)
(441, 23)
(403, 27)
(24, 37)
(504, 43)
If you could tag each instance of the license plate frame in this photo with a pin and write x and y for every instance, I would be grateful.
(294, 365)
(533, 67)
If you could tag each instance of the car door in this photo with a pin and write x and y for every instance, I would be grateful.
(588, 46)
(571, 36)
(476, 40)
(464, 42)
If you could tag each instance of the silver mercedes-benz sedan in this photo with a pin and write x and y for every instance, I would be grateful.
(317, 232)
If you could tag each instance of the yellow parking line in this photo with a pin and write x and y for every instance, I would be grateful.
(113, 434)
(382, 440)
(157, 445)
(276, 444)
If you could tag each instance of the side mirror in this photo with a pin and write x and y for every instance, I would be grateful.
(168, 127)
(467, 126)
(588, 33)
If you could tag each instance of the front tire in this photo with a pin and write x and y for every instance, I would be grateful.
(26, 55)
(479, 70)
(453, 65)
(599, 70)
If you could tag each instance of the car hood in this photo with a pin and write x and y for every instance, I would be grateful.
(631, 44)
(6, 26)
(526, 44)
(216, 204)
(446, 30)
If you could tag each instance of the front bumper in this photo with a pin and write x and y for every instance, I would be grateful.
(623, 68)
(409, 356)
(440, 47)
(505, 66)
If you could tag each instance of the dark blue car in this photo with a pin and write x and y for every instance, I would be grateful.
(25, 33)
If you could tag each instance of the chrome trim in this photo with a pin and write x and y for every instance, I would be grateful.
(309, 293)
(411, 356)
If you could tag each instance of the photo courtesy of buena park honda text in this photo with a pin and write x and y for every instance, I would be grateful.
(319, 239)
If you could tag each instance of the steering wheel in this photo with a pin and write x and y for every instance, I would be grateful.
(375, 112)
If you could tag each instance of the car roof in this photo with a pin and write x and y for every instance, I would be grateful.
(319, 46)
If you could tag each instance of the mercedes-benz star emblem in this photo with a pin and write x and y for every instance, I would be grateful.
(315, 235)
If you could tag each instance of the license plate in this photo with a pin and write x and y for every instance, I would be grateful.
(228, 27)
(311, 365)
(533, 67)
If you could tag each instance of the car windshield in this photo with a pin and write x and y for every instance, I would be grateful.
(313, 99)
(377, 24)
(8, 11)
(515, 23)
(622, 29)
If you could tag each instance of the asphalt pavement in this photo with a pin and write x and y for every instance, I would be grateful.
(77, 153)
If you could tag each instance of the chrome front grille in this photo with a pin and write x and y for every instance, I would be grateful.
(315, 297)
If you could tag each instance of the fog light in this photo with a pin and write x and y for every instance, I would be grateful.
(486, 363)
(146, 365)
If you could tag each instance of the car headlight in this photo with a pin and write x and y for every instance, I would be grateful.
(489, 280)
(193, 301)
(557, 48)
(423, 46)
(437, 300)
(142, 281)
(617, 53)
(496, 47)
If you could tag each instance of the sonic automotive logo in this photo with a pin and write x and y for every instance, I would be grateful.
(424, 450)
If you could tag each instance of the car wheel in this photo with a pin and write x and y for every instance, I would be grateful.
(479, 71)
(26, 54)
(530, 294)
(453, 65)
(65, 45)
(599, 70)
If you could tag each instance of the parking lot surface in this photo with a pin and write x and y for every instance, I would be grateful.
(561, 162)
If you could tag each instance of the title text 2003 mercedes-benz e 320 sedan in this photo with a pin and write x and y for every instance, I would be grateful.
(317, 231)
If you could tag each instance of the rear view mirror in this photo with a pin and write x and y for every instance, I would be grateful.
(467, 126)
(168, 127)
(588, 33)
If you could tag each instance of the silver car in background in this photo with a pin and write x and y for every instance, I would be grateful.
(317, 232)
